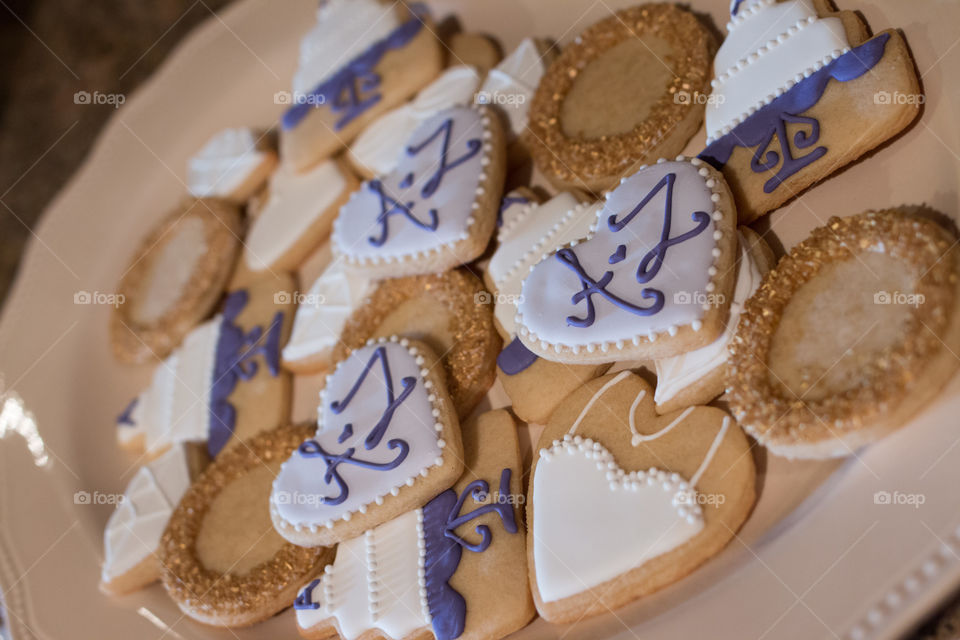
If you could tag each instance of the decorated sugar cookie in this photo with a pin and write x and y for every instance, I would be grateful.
(223, 563)
(623, 502)
(321, 316)
(362, 58)
(387, 440)
(437, 209)
(224, 383)
(450, 312)
(625, 92)
(514, 203)
(799, 92)
(376, 150)
(654, 279)
(535, 386)
(887, 284)
(296, 216)
(439, 571)
(134, 529)
(175, 279)
(232, 165)
(509, 88)
(697, 377)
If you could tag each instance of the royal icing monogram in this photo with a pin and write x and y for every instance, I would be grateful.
(236, 355)
(647, 269)
(313, 449)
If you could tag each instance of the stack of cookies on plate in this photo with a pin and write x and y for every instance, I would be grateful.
(620, 300)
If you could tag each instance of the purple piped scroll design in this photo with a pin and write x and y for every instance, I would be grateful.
(515, 358)
(759, 129)
(647, 269)
(304, 599)
(390, 206)
(443, 547)
(354, 88)
(313, 449)
(235, 361)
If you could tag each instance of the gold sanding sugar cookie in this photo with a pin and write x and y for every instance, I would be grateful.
(175, 279)
(623, 502)
(223, 562)
(451, 312)
(849, 336)
(623, 94)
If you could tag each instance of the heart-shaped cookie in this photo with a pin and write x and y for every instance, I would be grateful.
(387, 441)
(654, 278)
(437, 208)
(623, 502)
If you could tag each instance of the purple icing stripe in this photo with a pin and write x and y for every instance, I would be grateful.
(515, 358)
(506, 203)
(354, 88)
(126, 418)
(759, 129)
(443, 547)
(234, 361)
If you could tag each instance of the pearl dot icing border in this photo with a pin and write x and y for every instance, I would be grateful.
(687, 508)
(486, 152)
(716, 190)
(436, 407)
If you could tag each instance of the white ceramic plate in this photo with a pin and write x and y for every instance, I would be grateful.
(819, 557)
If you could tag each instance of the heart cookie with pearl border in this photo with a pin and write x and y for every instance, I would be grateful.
(387, 441)
(437, 209)
(654, 277)
(623, 502)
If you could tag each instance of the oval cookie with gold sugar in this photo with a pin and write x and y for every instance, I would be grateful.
(175, 279)
(627, 91)
(851, 335)
(223, 562)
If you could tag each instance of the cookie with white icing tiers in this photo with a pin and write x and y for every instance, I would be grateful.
(133, 532)
(296, 216)
(387, 440)
(887, 284)
(437, 209)
(697, 377)
(623, 502)
(653, 279)
(800, 91)
(233, 164)
(361, 59)
(175, 279)
(454, 569)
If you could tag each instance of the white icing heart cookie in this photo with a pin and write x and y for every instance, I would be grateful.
(654, 278)
(387, 440)
(437, 209)
(623, 502)
(233, 165)
(376, 150)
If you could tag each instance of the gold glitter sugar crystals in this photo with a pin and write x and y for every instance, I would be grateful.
(627, 91)
(223, 563)
(849, 336)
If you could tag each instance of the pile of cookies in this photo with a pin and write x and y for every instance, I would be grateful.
(629, 311)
